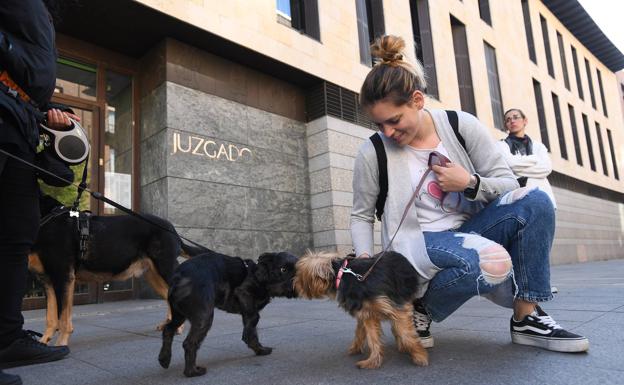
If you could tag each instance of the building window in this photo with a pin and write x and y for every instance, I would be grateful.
(590, 148)
(484, 11)
(577, 72)
(300, 15)
(541, 116)
(616, 173)
(421, 29)
(564, 63)
(493, 82)
(549, 61)
(370, 22)
(603, 159)
(575, 137)
(590, 84)
(562, 143)
(462, 64)
(528, 30)
(602, 96)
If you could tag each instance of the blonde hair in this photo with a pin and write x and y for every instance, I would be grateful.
(391, 77)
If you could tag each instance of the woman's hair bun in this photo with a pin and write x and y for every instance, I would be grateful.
(388, 49)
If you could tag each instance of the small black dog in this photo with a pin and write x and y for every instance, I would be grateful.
(231, 284)
(386, 292)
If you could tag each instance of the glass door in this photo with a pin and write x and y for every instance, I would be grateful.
(103, 99)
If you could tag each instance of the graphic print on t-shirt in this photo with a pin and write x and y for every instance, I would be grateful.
(437, 210)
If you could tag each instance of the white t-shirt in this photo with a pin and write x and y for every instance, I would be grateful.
(437, 210)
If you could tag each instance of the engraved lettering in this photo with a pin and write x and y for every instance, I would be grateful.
(180, 145)
(199, 143)
(199, 146)
(237, 152)
(222, 151)
(211, 154)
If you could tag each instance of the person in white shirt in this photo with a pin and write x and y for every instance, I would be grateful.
(528, 159)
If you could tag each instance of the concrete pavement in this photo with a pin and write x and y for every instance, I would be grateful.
(115, 343)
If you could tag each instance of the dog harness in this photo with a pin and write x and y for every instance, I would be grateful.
(84, 217)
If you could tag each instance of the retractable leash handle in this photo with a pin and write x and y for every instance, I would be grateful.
(71, 145)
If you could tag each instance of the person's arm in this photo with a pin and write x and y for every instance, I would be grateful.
(365, 191)
(543, 165)
(495, 176)
(27, 48)
(515, 162)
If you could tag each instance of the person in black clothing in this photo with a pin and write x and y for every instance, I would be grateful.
(27, 81)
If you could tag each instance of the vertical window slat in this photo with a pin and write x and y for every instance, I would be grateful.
(541, 116)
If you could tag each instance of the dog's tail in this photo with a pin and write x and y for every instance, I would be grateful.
(189, 251)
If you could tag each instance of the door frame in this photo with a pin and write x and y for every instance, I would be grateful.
(103, 59)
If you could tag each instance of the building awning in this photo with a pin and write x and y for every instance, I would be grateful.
(572, 14)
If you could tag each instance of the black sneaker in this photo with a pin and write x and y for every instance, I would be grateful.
(422, 321)
(539, 329)
(27, 350)
(9, 379)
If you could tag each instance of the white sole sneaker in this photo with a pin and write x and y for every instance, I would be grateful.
(426, 342)
(564, 345)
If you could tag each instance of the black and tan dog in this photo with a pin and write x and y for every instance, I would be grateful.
(228, 283)
(386, 293)
(118, 247)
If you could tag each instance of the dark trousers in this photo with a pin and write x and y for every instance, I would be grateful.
(19, 224)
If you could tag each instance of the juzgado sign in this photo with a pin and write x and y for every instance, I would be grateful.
(199, 146)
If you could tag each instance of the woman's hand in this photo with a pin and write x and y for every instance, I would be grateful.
(59, 120)
(363, 255)
(452, 178)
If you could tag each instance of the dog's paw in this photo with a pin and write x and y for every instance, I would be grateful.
(195, 371)
(420, 359)
(370, 363)
(263, 351)
(45, 340)
(164, 359)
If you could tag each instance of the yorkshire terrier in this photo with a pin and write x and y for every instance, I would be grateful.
(370, 295)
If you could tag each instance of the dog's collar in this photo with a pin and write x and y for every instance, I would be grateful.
(341, 272)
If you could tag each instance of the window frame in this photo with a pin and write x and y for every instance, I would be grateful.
(528, 30)
(547, 49)
(423, 43)
(563, 149)
(541, 113)
(496, 96)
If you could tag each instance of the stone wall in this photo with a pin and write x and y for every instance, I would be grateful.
(587, 228)
(228, 176)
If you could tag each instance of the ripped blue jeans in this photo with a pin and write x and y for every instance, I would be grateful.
(517, 229)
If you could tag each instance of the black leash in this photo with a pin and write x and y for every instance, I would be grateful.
(99, 196)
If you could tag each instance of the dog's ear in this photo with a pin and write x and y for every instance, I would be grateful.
(262, 268)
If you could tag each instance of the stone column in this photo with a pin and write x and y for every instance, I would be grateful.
(332, 146)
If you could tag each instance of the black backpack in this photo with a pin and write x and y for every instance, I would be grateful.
(382, 162)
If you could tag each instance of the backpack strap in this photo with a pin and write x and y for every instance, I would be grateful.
(454, 120)
(382, 163)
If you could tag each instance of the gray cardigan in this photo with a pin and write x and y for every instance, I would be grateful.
(480, 157)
